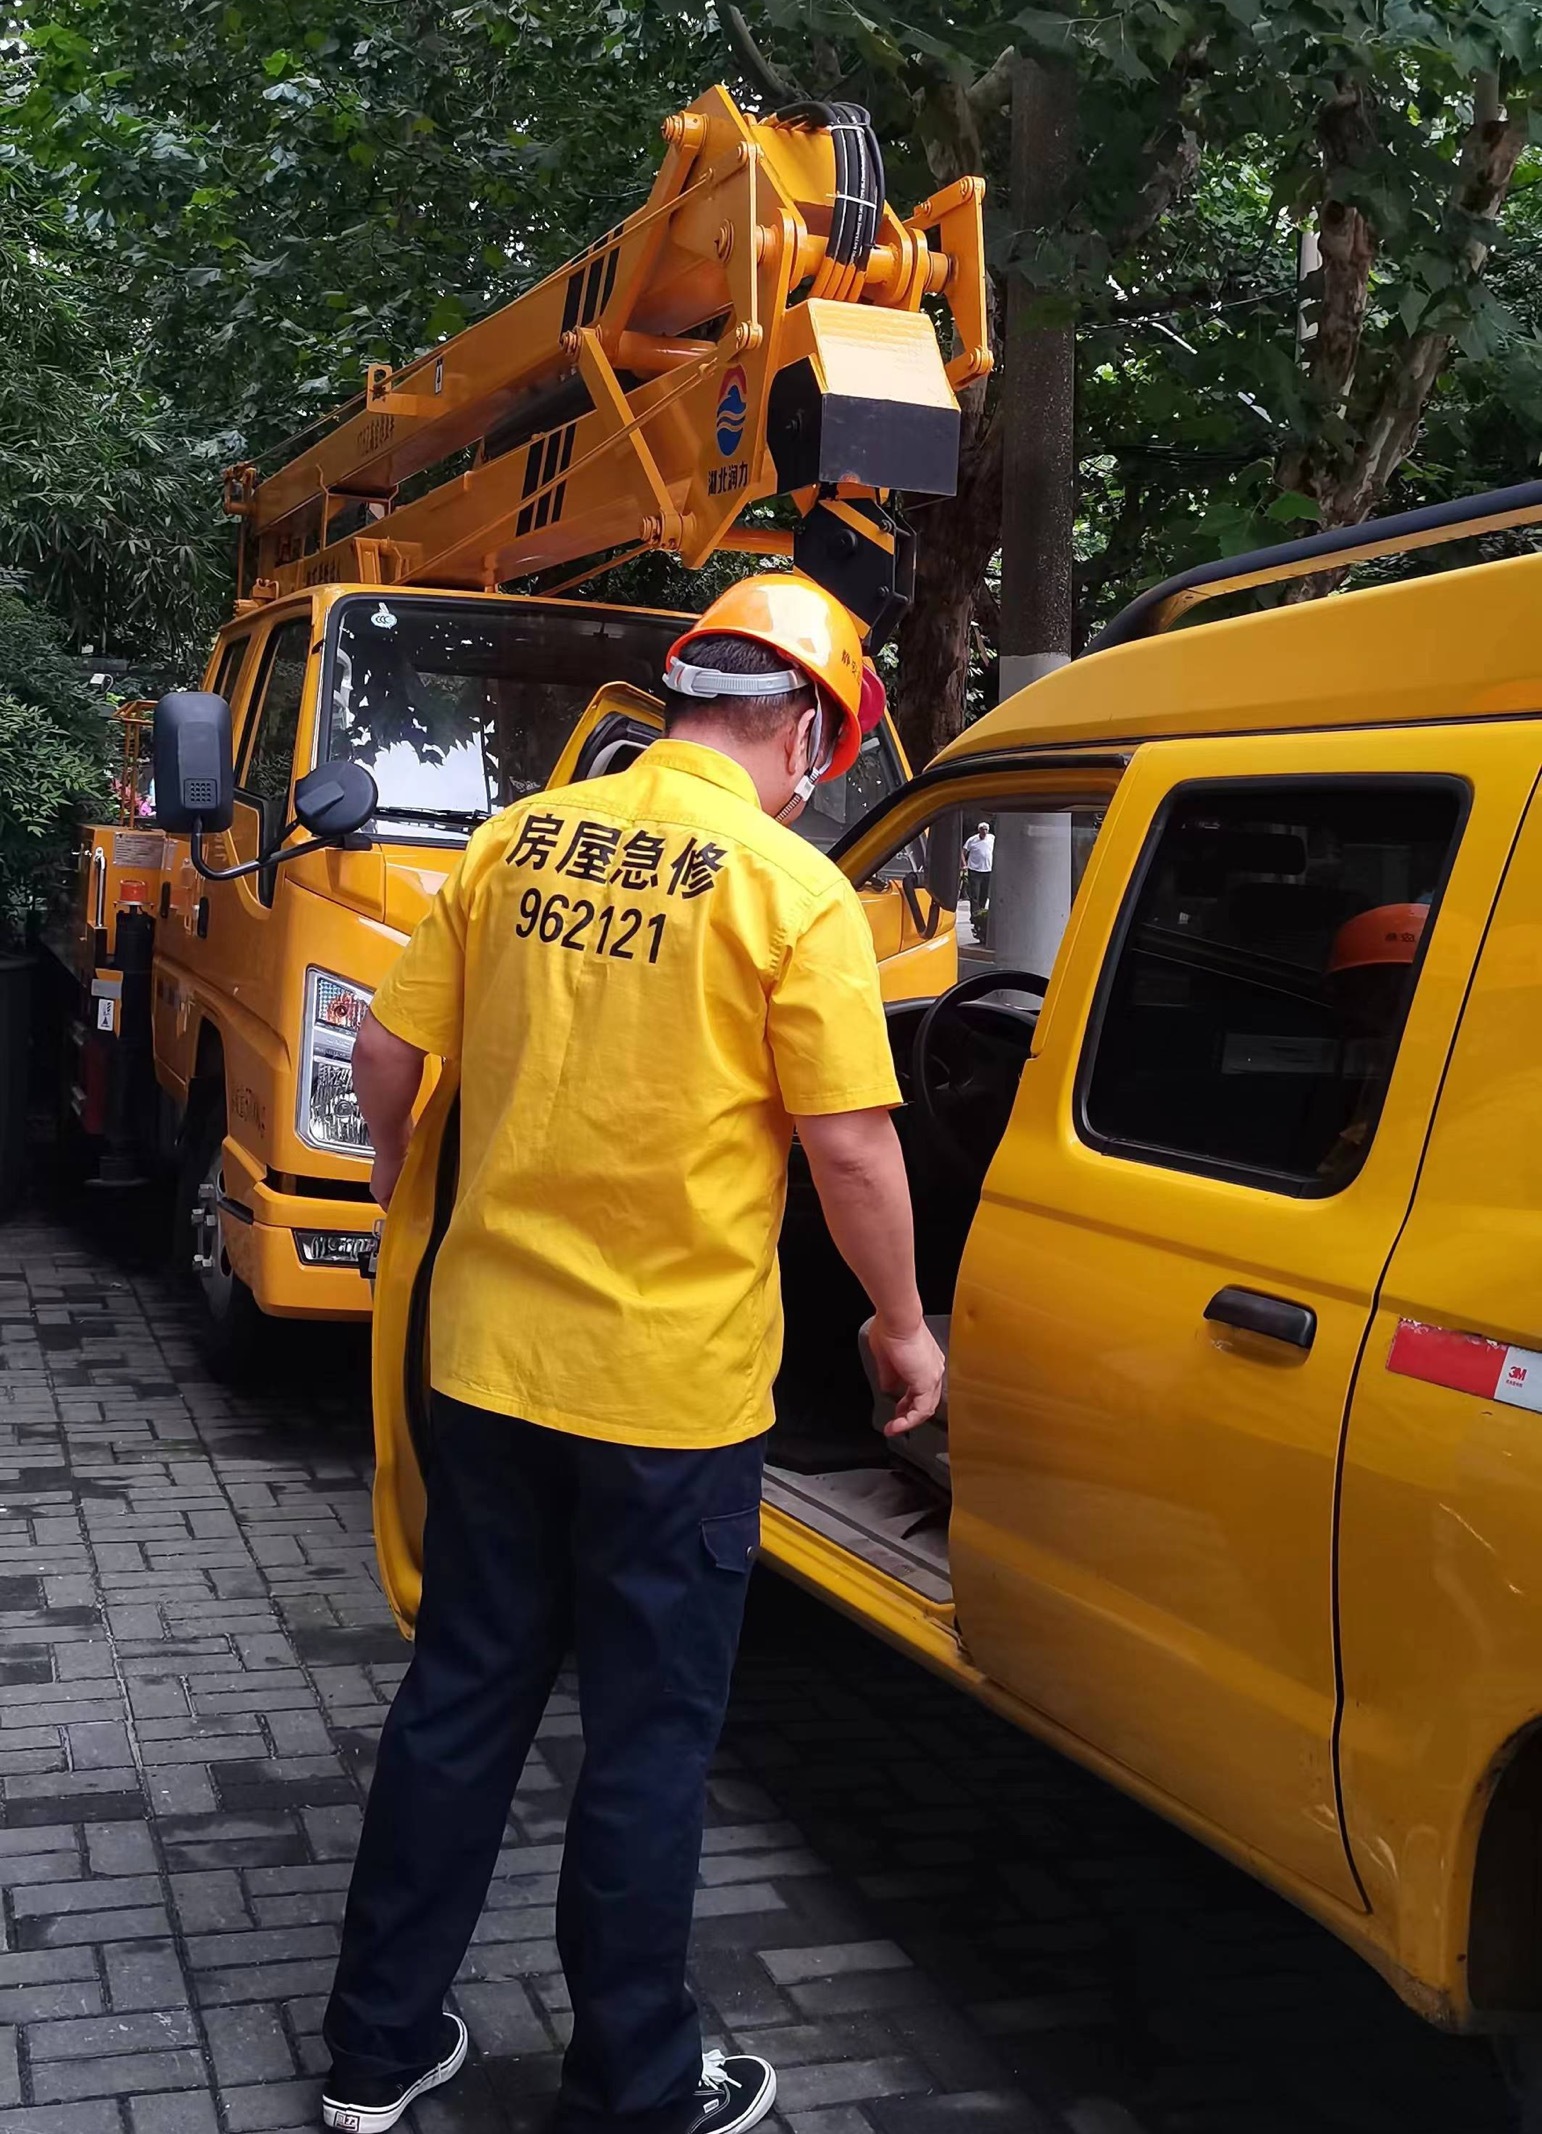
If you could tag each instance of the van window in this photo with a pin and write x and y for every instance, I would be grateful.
(1258, 989)
(268, 758)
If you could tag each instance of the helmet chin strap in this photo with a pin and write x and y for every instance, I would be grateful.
(816, 763)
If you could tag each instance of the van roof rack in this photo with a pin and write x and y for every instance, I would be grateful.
(1159, 607)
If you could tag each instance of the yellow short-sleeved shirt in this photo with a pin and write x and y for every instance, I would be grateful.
(641, 977)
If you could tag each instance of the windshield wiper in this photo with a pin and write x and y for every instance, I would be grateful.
(454, 816)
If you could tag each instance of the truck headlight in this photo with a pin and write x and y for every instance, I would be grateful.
(328, 1111)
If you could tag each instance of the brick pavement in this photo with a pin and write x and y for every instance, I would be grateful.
(931, 1925)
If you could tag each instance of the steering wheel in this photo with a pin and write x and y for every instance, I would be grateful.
(962, 1100)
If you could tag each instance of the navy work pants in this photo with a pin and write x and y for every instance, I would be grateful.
(535, 1540)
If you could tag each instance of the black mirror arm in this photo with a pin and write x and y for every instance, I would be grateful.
(266, 859)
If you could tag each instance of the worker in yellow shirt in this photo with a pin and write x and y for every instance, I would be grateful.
(648, 981)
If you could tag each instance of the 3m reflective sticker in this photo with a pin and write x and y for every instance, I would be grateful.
(1520, 1380)
(1467, 1363)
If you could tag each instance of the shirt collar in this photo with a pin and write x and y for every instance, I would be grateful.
(699, 761)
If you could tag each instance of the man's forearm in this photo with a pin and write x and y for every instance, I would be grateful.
(387, 1073)
(859, 1175)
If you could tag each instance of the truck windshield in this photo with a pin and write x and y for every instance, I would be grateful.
(458, 707)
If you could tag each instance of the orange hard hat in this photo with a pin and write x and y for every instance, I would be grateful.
(1388, 933)
(807, 626)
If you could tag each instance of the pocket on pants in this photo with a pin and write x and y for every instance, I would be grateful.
(732, 1539)
(706, 1634)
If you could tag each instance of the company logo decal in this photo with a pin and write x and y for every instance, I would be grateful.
(733, 405)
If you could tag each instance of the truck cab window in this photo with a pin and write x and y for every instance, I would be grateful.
(1257, 996)
(228, 673)
(267, 763)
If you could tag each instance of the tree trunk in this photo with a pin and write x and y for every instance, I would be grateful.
(956, 538)
(1348, 476)
(1038, 395)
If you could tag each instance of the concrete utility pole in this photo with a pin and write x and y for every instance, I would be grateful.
(1039, 390)
(1031, 897)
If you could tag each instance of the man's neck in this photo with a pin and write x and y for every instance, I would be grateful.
(762, 762)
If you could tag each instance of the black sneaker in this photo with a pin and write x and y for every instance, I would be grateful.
(737, 2091)
(375, 2102)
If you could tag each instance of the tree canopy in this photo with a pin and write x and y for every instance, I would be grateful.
(227, 210)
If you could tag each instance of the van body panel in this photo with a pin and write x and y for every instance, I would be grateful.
(1456, 645)
(1442, 1490)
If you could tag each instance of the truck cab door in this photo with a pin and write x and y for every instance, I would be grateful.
(617, 725)
(1174, 1264)
(231, 943)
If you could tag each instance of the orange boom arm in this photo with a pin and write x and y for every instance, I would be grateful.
(750, 331)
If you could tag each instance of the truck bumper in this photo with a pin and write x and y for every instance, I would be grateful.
(286, 1247)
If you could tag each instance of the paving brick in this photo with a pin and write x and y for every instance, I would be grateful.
(93, 1893)
(846, 2082)
(984, 2112)
(501, 2020)
(33, 1870)
(255, 1945)
(40, 2001)
(98, 2116)
(132, 1923)
(10, 2069)
(272, 2108)
(304, 1907)
(854, 1991)
(144, 1974)
(92, 2037)
(333, 1831)
(792, 1966)
(120, 1849)
(117, 2077)
(210, 1901)
(313, 1875)
(248, 2045)
(262, 1982)
(738, 1898)
(182, 2112)
(179, 1789)
(36, 1838)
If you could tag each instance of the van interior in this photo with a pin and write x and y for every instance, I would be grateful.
(1261, 976)
(958, 1060)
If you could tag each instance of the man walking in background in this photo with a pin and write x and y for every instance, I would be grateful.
(647, 982)
(979, 859)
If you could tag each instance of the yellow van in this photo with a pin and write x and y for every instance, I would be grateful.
(1229, 1200)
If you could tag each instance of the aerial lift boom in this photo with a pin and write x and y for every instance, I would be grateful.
(755, 329)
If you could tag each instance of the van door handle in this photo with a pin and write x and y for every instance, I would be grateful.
(1256, 1313)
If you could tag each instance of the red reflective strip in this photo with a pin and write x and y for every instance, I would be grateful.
(1465, 1362)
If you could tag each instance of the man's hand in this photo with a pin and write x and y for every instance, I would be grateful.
(912, 1366)
(384, 1175)
(859, 1174)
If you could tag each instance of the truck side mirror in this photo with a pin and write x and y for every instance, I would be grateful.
(335, 799)
(194, 775)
